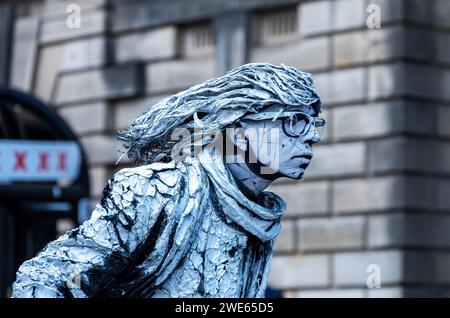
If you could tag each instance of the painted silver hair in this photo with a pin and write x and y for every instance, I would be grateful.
(216, 104)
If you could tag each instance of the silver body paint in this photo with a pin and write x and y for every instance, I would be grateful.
(177, 229)
(163, 230)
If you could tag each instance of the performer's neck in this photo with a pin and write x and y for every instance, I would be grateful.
(250, 183)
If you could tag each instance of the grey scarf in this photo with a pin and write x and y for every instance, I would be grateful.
(262, 221)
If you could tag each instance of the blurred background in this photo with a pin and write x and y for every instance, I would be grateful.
(371, 217)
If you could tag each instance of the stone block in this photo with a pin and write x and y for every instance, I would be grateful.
(92, 23)
(336, 160)
(399, 79)
(341, 86)
(383, 193)
(286, 240)
(47, 71)
(102, 149)
(318, 17)
(407, 154)
(434, 12)
(306, 55)
(299, 271)
(443, 199)
(127, 110)
(443, 120)
(331, 234)
(442, 43)
(349, 14)
(427, 268)
(381, 119)
(398, 154)
(409, 230)
(315, 17)
(24, 52)
(385, 81)
(82, 54)
(368, 46)
(172, 76)
(352, 269)
(154, 44)
(306, 198)
(87, 118)
(432, 82)
(98, 176)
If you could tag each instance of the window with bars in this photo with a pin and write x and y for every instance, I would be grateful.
(274, 26)
(197, 39)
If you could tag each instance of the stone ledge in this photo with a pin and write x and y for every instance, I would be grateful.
(114, 82)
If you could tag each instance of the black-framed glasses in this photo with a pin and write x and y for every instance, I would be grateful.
(298, 124)
(294, 123)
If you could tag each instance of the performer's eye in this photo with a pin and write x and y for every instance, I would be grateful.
(296, 125)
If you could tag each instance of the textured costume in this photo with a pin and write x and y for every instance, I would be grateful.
(176, 229)
(163, 230)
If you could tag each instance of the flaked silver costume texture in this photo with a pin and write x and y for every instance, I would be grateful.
(176, 229)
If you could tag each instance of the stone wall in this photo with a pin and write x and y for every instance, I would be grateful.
(377, 189)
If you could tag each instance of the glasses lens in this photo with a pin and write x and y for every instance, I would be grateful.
(320, 124)
(296, 125)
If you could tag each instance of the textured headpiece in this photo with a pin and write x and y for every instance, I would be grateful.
(216, 104)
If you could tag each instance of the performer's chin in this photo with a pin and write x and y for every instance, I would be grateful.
(297, 175)
(300, 175)
(301, 171)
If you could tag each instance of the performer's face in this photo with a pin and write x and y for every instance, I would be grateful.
(283, 145)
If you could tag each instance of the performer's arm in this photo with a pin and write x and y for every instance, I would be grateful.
(84, 260)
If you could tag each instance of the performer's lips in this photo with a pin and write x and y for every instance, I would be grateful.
(307, 157)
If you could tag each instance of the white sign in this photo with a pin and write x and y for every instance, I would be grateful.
(29, 160)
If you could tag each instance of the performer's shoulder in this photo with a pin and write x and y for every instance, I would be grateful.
(165, 176)
(151, 170)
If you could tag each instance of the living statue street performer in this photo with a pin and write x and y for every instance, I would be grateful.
(191, 218)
